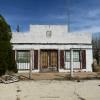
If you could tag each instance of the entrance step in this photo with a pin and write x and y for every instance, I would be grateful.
(49, 69)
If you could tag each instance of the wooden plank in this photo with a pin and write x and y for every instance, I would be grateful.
(62, 59)
(35, 59)
(83, 53)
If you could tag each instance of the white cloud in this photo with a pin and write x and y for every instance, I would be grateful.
(92, 29)
(93, 13)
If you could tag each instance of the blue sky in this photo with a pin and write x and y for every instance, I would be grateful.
(84, 14)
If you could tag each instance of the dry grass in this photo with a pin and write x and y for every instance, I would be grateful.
(96, 68)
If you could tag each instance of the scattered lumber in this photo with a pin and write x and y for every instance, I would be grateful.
(6, 79)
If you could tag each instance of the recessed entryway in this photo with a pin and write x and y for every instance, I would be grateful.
(49, 60)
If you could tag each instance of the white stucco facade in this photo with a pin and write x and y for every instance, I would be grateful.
(55, 37)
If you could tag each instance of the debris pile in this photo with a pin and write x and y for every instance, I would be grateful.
(6, 79)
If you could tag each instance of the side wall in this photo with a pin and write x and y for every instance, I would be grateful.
(89, 60)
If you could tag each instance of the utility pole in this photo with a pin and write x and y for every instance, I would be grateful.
(71, 63)
(18, 28)
(31, 63)
(68, 19)
(68, 14)
(68, 23)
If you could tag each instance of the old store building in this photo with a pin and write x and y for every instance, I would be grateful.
(52, 48)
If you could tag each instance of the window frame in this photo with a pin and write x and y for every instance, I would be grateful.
(21, 56)
(66, 56)
(76, 56)
(69, 58)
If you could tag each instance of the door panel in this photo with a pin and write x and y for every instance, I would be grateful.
(44, 59)
(53, 59)
(49, 59)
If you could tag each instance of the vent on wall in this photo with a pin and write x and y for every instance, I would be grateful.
(48, 34)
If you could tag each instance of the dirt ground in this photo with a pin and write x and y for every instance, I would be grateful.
(53, 86)
(60, 76)
(51, 90)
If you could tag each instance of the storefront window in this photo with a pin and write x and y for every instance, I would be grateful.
(67, 55)
(76, 56)
(23, 56)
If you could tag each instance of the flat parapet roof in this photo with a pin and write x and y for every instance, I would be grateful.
(51, 34)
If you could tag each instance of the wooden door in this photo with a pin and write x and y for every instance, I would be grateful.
(53, 61)
(49, 60)
(44, 59)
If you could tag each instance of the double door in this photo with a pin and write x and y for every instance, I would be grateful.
(49, 59)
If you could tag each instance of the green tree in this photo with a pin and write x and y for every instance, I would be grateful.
(7, 62)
